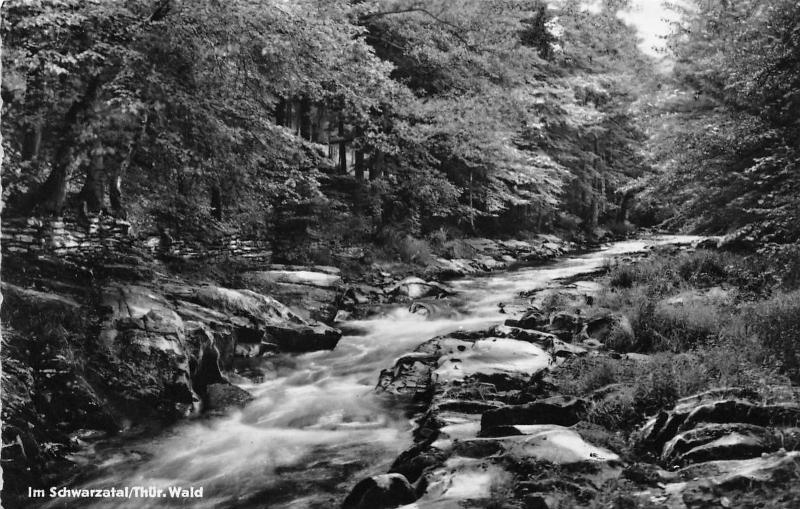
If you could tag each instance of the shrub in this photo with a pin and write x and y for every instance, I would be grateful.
(622, 276)
(657, 388)
(598, 376)
(438, 238)
(776, 322)
(621, 337)
(616, 413)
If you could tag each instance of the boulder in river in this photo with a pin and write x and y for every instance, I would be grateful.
(223, 396)
(532, 319)
(257, 317)
(385, 491)
(311, 292)
(417, 288)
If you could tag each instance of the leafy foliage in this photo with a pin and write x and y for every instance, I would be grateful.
(728, 141)
(208, 115)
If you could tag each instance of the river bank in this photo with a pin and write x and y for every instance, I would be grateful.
(125, 344)
(636, 388)
(558, 341)
(315, 425)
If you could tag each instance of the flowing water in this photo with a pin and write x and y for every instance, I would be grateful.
(316, 426)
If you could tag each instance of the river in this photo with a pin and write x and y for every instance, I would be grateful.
(316, 426)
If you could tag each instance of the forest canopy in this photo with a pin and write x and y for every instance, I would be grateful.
(476, 115)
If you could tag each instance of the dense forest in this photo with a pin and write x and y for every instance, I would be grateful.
(400, 117)
(243, 212)
(366, 118)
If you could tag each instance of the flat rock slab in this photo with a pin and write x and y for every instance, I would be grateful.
(489, 357)
(559, 410)
(705, 484)
(417, 288)
(741, 473)
(298, 277)
(690, 446)
(461, 482)
(555, 444)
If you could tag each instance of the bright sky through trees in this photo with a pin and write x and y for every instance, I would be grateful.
(650, 18)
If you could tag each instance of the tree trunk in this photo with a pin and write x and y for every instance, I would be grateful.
(359, 164)
(115, 194)
(32, 140)
(471, 209)
(305, 118)
(34, 96)
(281, 113)
(342, 148)
(51, 196)
(622, 213)
(92, 193)
(376, 168)
(115, 180)
(216, 202)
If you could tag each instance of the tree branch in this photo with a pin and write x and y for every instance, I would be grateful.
(426, 12)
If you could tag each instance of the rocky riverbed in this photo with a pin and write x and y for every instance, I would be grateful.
(285, 410)
(119, 344)
(498, 423)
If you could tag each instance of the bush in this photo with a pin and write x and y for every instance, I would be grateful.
(407, 249)
(776, 322)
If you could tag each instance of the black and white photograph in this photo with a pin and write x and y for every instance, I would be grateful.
(416, 254)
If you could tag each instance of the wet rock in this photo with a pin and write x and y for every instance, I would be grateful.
(722, 424)
(778, 467)
(649, 474)
(454, 268)
(309, 293)
(223, 396)
(412, 375)
(380, 492)
(716, 441)
(707, 243)
(532, 319)
(358, 295)
(303, 338)
(430, 309)
(488, 357)
(552, 443)
(612, 329)
(205, 365)
(564, 321)
(39, 300)
(562, 349)
(467, 406)
(297, 275)
(416, 288)
(462, 482)
(262, 315)
(532, 336)
(414, 461)
(539, 501)
(145, 333)
(561, 410)
(550, 342)
(730, 446)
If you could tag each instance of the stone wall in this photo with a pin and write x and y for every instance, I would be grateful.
(65, 236)
(228, 247)
(98, 235)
